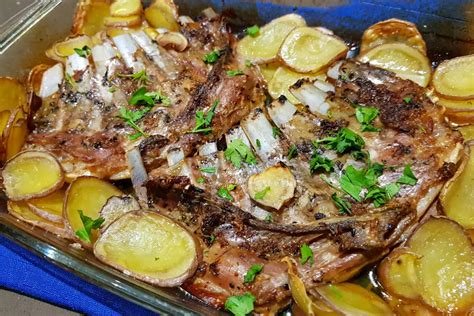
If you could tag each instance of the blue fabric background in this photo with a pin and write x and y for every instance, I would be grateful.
(26, 273)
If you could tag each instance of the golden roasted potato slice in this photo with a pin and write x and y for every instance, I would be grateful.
(123, 21)
(397, 273)
(467, 132)
(32, 174)
(405, 61)
(308, 49)
(123, 8)
(273, 187)
(4, 117)
(454, 78)
(456, 105)
(12, 94)
(445, 265)
(268, 70)
(49, 207)
(283, 79)
(16, 137)
(89, 195)
(352, 299)
(21, 211)
(459, 118)
(90, 17)
(265, 46)
(149, 247)
(163, 14)
(457, 197)
(392, 31)
(115, 207)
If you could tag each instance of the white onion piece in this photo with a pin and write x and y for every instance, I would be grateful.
(184, 19)
(311, 96)
(257, 127)
(102, 54)
(209, 13)
(51, 80)
(281, 113)
(236, 133)
(207, 149)
(127, 48)
(174, 156)
(138, 175)
(333, 71)
(324, 86)
(75, 63)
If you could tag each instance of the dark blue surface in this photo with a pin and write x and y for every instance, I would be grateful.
(26, 273)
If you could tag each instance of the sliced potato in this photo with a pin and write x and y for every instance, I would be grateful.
(445, 265)
(459, 118)
(397, 273)
(268, 70)
(454, 78)
(12, 94)
(123, 21)
(89, 195)
(405, 61)
(174, 40)
(455, 105)
(150, 247)
(265, 46)
(457, 197)
(273, 187)
(163, 14)
(90, 17)
(49, 207)
(21, 211)
(115, 207)
(4, 117)
(283, 79)
(32, 174)
(16, 137)
(125, 8)
(467, 132)
(352, 299)
(308, 49)
(392, 31)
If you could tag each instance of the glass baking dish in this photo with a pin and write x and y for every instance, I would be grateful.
(446, 27)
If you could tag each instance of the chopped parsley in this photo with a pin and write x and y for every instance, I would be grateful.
(240, 305)
(276, 132)
(306, 254)
(345, 141)
(70, 80)
(212, 57)
(343, 205)
(83, 52)
(320, 163)
(224, 192)
(269, 217)
(235, 72)
(131, 118)
(204, 120)
(407, 177)
(208, 169)
(252, 273)
(292, 152)
(365, 116)
(146, 98)
(261, 194)
(212, 239)
(248, 63)
(237, 152)
(259, 144)
(141, 77)
(354, 180)
(380, 195)
(407, 100)
(252, 31)
(89, 224)
(112, 89)
(201, 180)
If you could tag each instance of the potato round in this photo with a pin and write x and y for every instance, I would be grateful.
(88, 194)
(308, 49)
(265, 46)
(163, 14)
(12, 94)
(405, 61)
(49, 207)
(454, 78)
(32, 174)
(150, 247)
(125, 8)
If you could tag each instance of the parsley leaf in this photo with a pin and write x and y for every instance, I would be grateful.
(240, 305)
(131, 117)
(259, 144)
(208, 169)
(70, 80)
(319, 163)
(306, 254)
(225, 192)
(248, 63)
(140, 76)
(380, 195)
(201, 180)
(292, 152)
(261, 194)
(354, 180)
(269, 217)
(237, 152)
(212, 57)
(252, 273)
(407, 177)
(212, 239)
(252, 31)
(345, 141)
(89, 224)
(204, 120)
(365, 116)
(343, 205)
(407, 100)
(235, 72)
(143, 97)
(276, 132)
(83, 52)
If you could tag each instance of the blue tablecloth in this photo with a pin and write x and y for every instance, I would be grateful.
(26, 273)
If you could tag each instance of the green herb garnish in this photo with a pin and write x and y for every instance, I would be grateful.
(237, 152)
(204, 120)
(212, 239)
(112, 89)
(407, 177)
(345, 141)
(252, 273)
(407, 100)
(252, 31)
(131, 117)
(208, 169)
(235, 72)
(143, 97)
(141, 77)
(70, 80)
(240, 305)
(276, 132)
(261, 194)
(224, 192)
(259, 144)
(365, 116)
(212, 57)
(269, 217)
(248, 63)
(89, 224)
(83, 52)
(318, 163)
(292, 152)
(343, 205)
(201, 180)
(306, 254)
